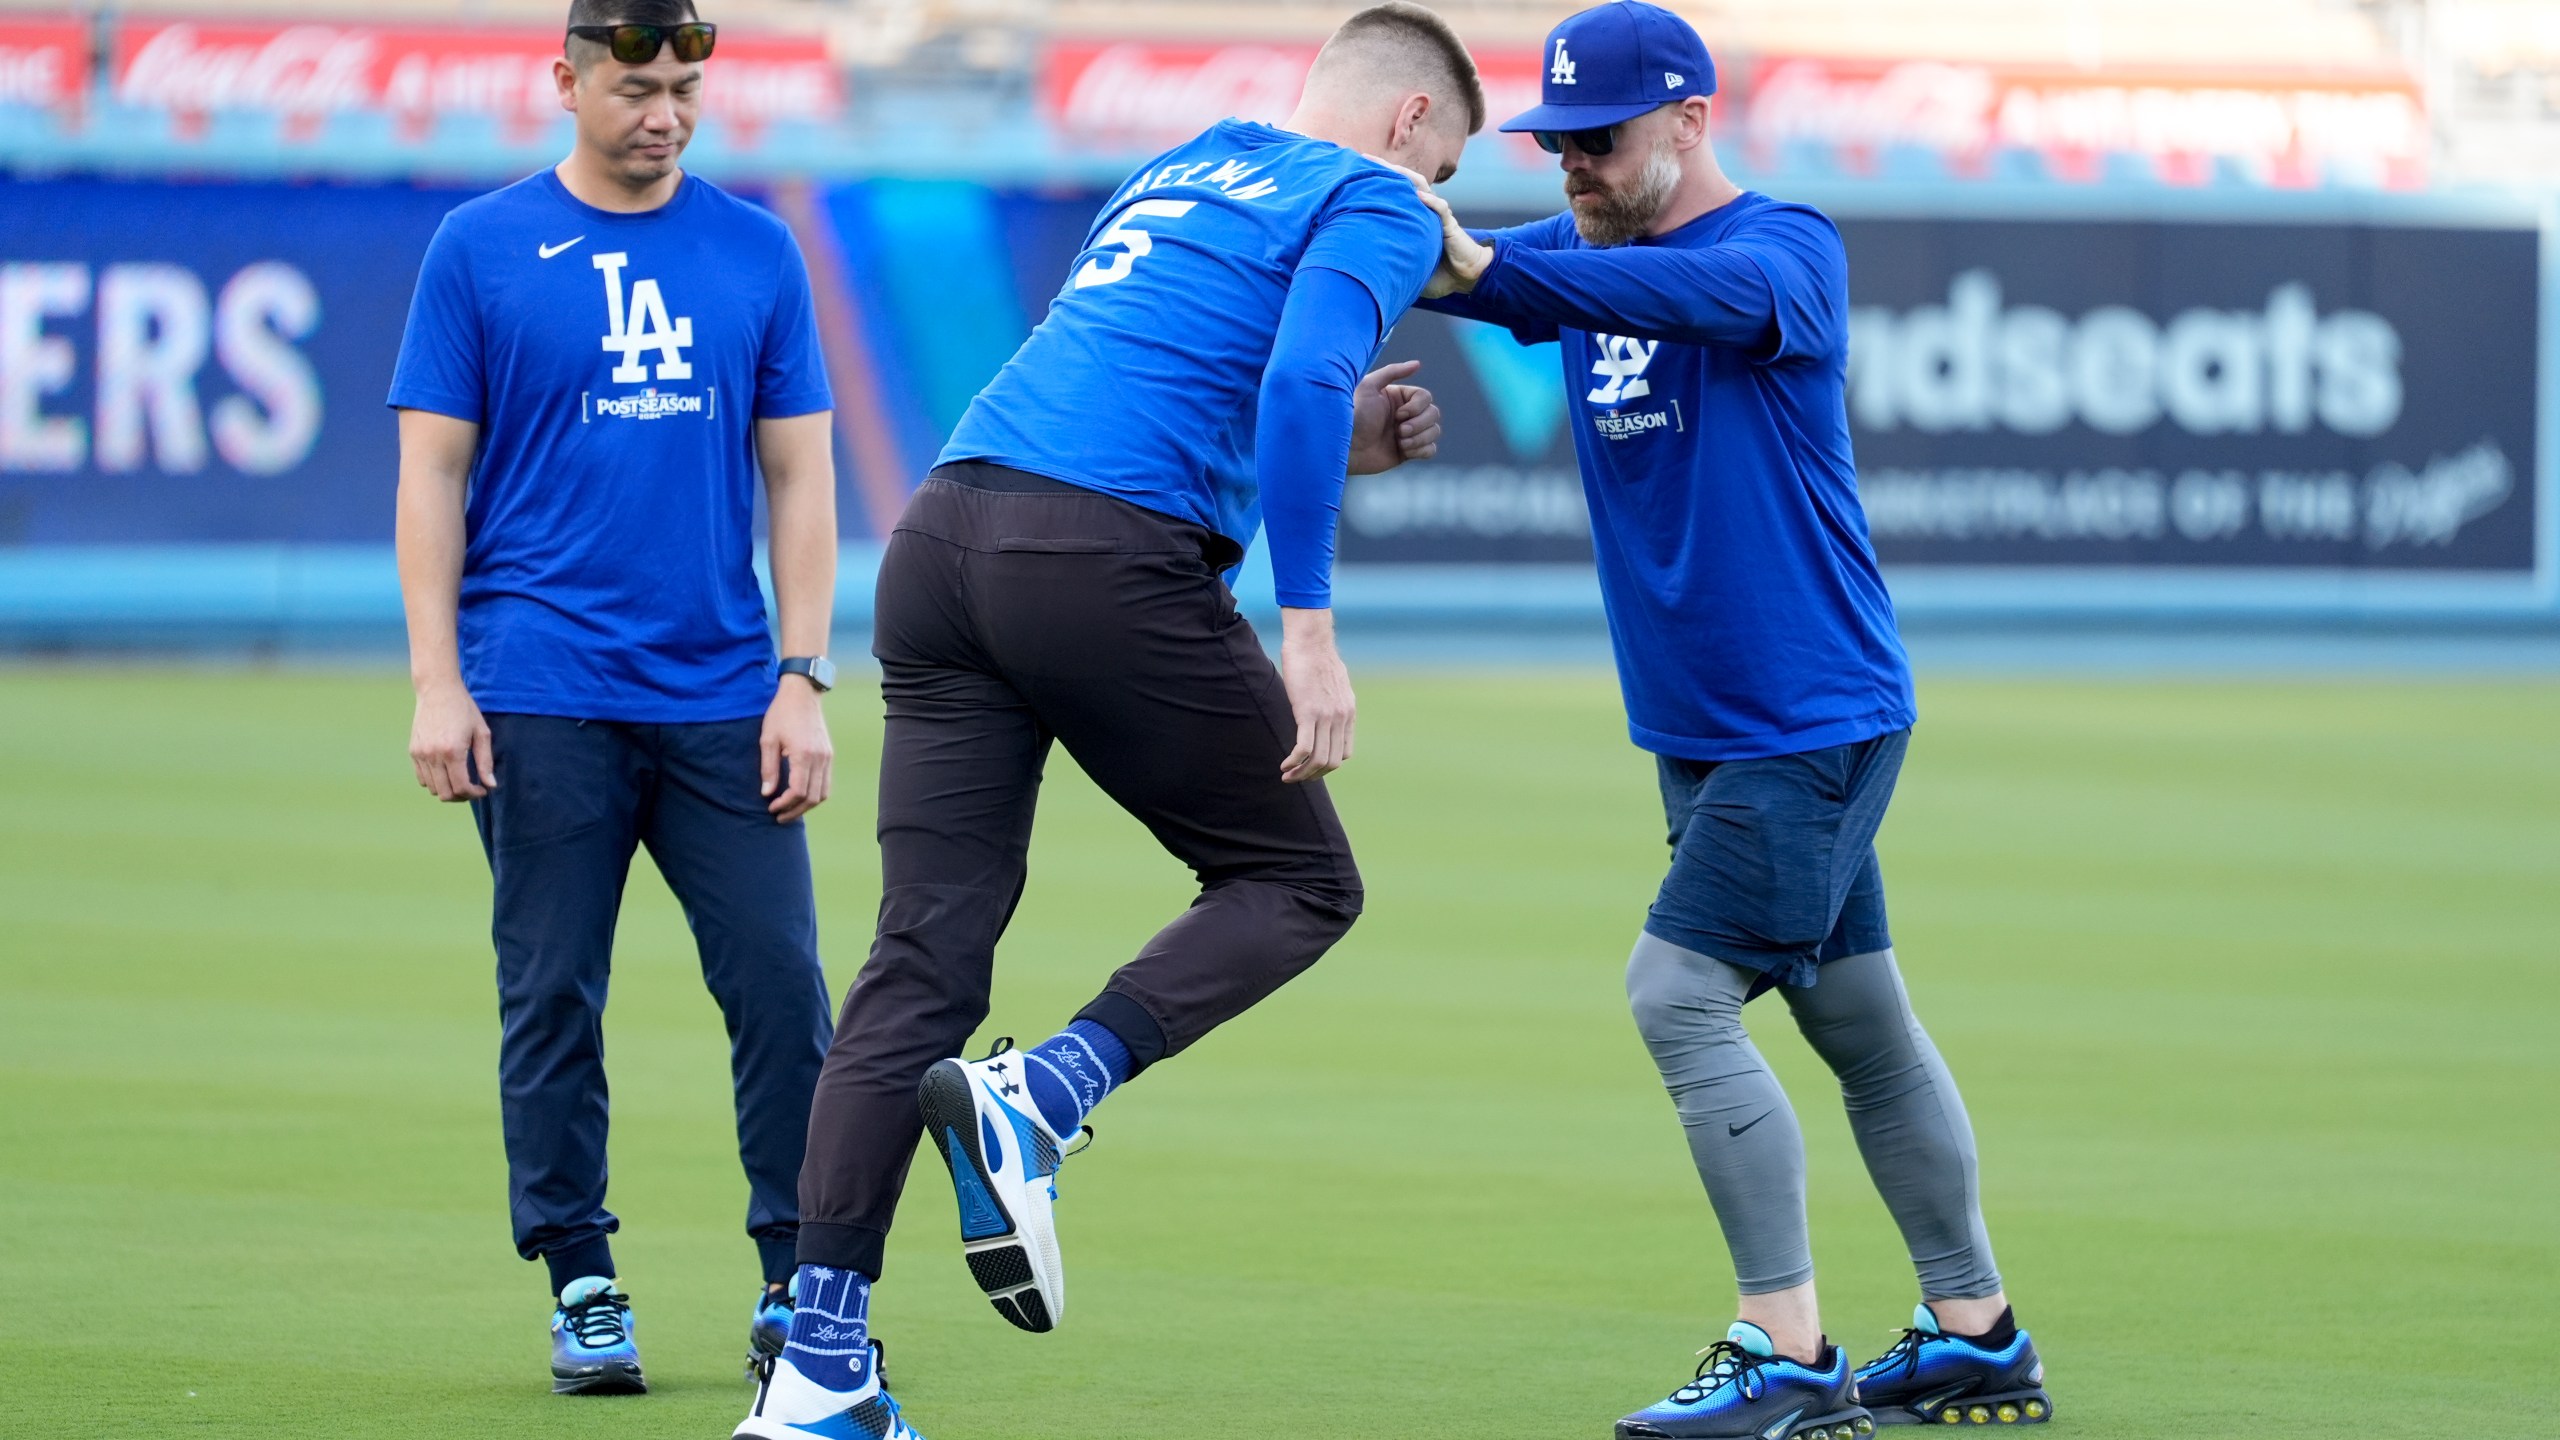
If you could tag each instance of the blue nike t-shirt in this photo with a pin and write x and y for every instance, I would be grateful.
(616, 365)
(1707, 370)
(1144, 380)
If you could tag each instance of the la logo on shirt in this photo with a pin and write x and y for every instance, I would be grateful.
(1619, 363)
(637, 326)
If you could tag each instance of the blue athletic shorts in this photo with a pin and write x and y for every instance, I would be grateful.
(1773, 861)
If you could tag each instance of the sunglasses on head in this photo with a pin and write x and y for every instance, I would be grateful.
(638, 44)
(1594, 143)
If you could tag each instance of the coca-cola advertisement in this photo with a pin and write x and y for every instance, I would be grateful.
(420, 74)
(44, 62)
(2277, 129)
(1144, 93)
(1137, 91)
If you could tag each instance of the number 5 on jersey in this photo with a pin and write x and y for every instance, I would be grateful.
(1134, 240)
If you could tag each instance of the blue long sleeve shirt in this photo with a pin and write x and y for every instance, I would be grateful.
(1708, 370)
(1328, 333)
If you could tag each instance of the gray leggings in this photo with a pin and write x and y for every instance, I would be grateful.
(1903, 1107)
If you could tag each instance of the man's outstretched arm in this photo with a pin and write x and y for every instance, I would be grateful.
(1451, 292)
(1723, 295)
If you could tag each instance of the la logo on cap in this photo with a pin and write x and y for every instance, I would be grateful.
(1561, 73)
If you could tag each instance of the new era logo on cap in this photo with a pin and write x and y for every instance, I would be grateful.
(1614, 62)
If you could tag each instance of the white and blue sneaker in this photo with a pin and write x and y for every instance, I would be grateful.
(791, 1406)
(592, 1350)
(1745, 1390)
(1004, 1164)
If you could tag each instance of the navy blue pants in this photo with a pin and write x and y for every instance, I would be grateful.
(574, 798)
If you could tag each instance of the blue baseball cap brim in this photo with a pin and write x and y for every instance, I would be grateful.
(1577, 117)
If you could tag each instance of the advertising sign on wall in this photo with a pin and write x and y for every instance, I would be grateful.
(202, 362)
(2048, 393)
(2234, 396)
(2290, 129)
(1150, 93)
(44, 61)
(207, 362)
(2285, 129)
(419, 74)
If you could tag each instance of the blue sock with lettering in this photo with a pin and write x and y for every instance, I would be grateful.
(830, 1342)
(1072, 1071)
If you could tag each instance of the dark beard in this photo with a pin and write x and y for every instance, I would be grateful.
(1624, 214)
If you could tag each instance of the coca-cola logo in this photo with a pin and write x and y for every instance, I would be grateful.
(418, 73)
(302, 69)
(1154, 92)
(1942, 107)
(1132, 89)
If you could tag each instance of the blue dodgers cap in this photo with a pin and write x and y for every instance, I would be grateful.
(1614, 62)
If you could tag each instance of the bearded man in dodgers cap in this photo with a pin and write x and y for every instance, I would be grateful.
(1705, 347)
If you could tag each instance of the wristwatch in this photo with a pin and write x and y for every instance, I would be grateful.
(820, 670)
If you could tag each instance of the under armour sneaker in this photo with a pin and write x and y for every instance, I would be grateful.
(791, 1406)
(768, 1329)
(1004, 1165)
(592, 1352)
(825, 1382)
(1745, 1390)
(1932, 1378)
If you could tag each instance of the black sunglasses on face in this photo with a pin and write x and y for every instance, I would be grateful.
(1594, 143)
(638, 44)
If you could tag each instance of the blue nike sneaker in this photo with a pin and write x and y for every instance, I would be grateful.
(1745, 1390)
(768, 1329)
(1932, 1378)
(592, 1352)
(1004, 1164)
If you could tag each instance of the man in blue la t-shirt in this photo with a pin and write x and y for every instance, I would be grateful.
(1705, 344)
(1058, 579)
(599, 361)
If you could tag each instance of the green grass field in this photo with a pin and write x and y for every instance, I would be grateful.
(2251, 988)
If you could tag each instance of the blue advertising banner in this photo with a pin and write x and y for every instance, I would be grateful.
(2308, 402)
(2040, 393)
(207, 362)
(2267, 397)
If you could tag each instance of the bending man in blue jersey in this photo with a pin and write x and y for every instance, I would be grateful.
(1058, 579)
(1705, 347)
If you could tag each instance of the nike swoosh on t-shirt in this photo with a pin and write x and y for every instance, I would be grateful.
(547, 251)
